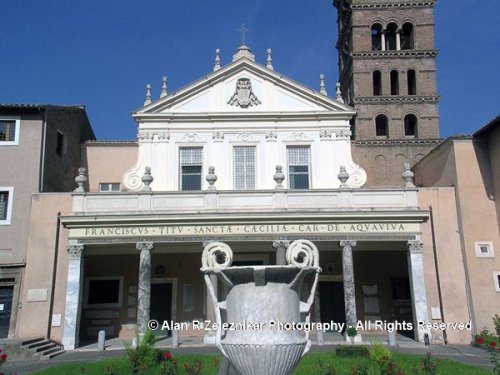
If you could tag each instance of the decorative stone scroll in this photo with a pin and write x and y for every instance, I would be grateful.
(212, 253)
(302, 253)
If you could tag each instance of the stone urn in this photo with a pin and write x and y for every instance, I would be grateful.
(260, 324)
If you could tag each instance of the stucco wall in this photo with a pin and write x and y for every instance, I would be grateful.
(108, 162)
(20, 169)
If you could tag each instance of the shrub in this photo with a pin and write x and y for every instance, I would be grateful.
(168, 364)
(144, 355)
(428, 364)
(379, 353)
(351, 331)
(351, 351)
(495, 360)
(193, 368)
(326, 369)
(358, 369)
(391, 368)
(483, 339)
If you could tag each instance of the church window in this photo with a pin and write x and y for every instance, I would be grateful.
(390, 36)
(9, 132)
(377, 83)
(412, 82)
(381, 126)
(407, 38)
(394, 82)
(484, 249)
(5, 205)
(377, 37)
(410, 123)
(190, 159)
(104, 291)
(244, 167)
(298, 158)
(109, 186)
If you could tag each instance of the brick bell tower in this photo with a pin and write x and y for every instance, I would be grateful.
(387, 71)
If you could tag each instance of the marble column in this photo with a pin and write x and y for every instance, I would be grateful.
(144, 288)
(74, 290)
(417, 286)
(209, 337)
(383, 40)
(281, 247)
(398, 39)
(349, 286)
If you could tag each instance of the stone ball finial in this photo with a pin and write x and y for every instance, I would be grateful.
(322, 86)
(343, 176)
(217, 60)
(269, 61)
(279, 177)
(81, 179)
(211, 178)
(147, 179)
(408, 175)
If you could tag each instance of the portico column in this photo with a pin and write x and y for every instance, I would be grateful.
(349, 286)
(281, 247)
(144, 289)
(209, 337)
(74, 289)
(417, 286)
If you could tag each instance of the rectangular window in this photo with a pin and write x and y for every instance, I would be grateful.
(9, 131)
(6, 194)
(60, 143)
(109, 186)
(298, 166)
(104, 292)
(4, 204)
(484, 249)
(496, 279)
(190, 160)
(244, 167)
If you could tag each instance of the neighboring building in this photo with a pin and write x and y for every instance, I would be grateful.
(387, 72)
(39, 152)
(471, 164)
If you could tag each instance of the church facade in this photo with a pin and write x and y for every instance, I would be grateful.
(249, 157)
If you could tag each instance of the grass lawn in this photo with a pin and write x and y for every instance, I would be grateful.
(310, 364)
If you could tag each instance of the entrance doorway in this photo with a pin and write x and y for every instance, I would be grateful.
(6, 294)
(161, 305)
(331, 297)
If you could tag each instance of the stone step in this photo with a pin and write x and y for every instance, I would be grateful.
(37, 344)
(27, 342)
(51, 353)
(45, 347)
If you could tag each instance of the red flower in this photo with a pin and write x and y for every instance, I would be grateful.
(4, 356)
(167, 355)
(493, 344)
(480, 340)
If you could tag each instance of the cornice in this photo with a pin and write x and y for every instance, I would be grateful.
(397, 142)
(397, 99)
(407, 53)
(391, 5)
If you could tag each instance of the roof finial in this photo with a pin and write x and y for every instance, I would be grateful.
(243, 30)
(338, 93)
(217, 60)
(148, 95)
(322, 86)
(269, 59)
(163, 86)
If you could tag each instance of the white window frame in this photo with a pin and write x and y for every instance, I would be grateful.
(496, 275)
(102, 305)
(233, 164)
(17, 120)
(309, 172)
(179, 165)
(10, 191)
(489, 244)
(109, 184)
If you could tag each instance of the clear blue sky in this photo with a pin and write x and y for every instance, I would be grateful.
(101, 53)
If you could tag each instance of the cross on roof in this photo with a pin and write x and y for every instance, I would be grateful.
(243, 30)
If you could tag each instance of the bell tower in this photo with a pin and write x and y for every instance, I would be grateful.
(387, 72)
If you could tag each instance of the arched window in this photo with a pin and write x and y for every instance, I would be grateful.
(390, 36)
(376, 37)
(377, 83)
(381, 126)
(412, 82)
(394, 82)
(410, 126)
(407, 38)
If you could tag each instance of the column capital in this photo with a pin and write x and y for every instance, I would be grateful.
(75, 251)
(348, 243)
(414, 246)
(144, 245)
(281, 243)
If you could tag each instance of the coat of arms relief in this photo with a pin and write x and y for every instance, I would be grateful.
(244, 96)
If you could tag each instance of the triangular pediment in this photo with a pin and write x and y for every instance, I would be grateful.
(244, 87)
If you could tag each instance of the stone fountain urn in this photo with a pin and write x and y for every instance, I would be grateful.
(257, 323)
